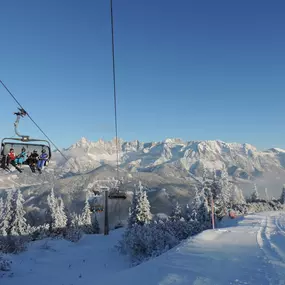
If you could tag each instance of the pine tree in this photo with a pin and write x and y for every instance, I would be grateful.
(52, 207)
(1, 209)
(196, 204)
(255, 194)
(282, 199)
(224, 195)
(187, 214)
(132, 210)
(203, 213)
(237, 197)
(266, 194)
(140, 209)
(86, 218)
(18, 225)
(7, 213)
(144, 215)
(58, 218)
(176, 214)
(226, 190)
(61, 219)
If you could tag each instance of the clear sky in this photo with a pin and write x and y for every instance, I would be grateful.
(189, 69)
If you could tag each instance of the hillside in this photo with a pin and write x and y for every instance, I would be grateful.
(245, 251)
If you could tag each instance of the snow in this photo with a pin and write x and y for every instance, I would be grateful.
(248, 250)
(62, 262)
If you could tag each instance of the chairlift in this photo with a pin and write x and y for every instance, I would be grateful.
(24, 141)
(117, 193)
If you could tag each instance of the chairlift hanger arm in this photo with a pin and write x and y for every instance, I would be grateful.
(22, 113)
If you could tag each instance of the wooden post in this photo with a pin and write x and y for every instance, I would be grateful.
(106, 217)
(213, 215)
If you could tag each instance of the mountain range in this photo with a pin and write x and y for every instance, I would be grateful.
(168, 169)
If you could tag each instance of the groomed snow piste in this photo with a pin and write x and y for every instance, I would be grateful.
(248, 250)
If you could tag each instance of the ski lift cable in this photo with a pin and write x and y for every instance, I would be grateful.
(114, 85)
(32, 119)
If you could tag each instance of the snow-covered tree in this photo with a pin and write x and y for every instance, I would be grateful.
(176, 213)
(140, 209)
(132, 210)
(6, 214)
(1, 209)
(266, 194)
(74, 232)
(203, 214)
(237, 197)
(282, 198)
(58, 218)
(225, 192)
(196, 204)
(61, 215)
(187, 213)
(86, 218)
(18, 223)
(226, 189)
(255, 194)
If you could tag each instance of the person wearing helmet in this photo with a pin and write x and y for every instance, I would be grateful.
(42, 160)
(21, 158)
(33, 160)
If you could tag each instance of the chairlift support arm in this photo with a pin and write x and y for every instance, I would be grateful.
(22, 113)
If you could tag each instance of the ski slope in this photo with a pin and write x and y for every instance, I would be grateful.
(249, 250)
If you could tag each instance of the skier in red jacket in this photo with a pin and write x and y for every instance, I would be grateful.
(10, 157)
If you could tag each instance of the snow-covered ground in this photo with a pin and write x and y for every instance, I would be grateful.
(243, 251)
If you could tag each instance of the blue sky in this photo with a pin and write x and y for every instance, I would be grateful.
(189, 69)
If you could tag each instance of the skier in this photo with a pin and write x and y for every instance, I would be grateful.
(42, 160)
(10, 157)
(21, 158)
(33, 160)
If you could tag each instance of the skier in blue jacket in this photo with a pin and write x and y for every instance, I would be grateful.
(42, 160)
(21, 158)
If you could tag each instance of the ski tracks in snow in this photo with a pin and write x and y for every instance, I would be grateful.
(272, 226)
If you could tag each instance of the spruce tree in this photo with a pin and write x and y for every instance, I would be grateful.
(203, 214)
(18, 223)
(196, 204)
(140, 209)
(176, 214)
(255, 194)
(61, 219)
(1, 209)
(237, 196)
(282, 198)
(187, 214)
(86, 218)
(5, 221)
(57, 215)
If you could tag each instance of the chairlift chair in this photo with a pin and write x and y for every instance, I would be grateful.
(23, 141)
(117, 193)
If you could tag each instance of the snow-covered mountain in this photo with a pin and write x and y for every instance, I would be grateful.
(173, 157)
(169, 169)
